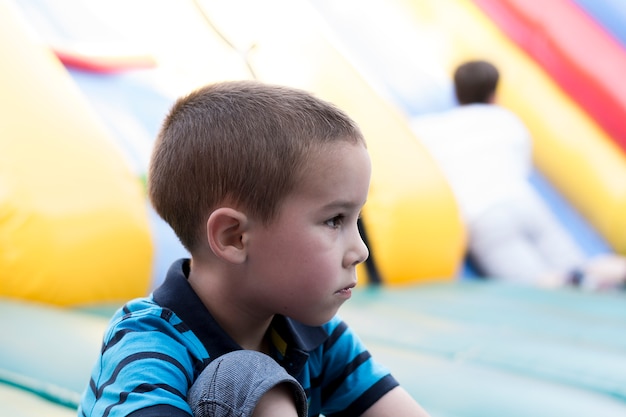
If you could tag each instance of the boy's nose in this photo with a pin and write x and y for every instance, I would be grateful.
(358, 252)
(364, 251)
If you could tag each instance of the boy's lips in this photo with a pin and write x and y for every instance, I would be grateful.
(347, 290)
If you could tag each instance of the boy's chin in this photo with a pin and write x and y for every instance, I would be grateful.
(317, 320)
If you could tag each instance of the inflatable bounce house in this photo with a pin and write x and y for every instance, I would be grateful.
(84, 90)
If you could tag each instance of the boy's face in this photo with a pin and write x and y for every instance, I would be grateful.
(304, 263)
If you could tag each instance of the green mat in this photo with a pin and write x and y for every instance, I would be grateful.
(462, 349)
(477, 348)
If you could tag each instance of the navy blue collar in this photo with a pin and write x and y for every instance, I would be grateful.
(177, 295)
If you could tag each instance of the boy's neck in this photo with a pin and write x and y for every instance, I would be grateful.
(242, 325)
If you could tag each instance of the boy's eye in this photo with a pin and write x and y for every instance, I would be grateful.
(335, 221)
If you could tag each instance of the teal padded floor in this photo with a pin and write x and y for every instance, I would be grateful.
(476, 348)
(463, 349)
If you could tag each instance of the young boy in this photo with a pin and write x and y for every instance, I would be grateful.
(263, 185)
(486, 153)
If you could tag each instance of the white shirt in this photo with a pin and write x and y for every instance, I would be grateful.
(484, 151)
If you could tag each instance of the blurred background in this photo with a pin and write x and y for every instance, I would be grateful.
(86, 84)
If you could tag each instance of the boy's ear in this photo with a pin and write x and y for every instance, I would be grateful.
(226, 229)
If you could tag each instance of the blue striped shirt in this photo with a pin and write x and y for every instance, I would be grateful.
(155, 348)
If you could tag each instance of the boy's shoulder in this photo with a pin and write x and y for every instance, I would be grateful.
(143, 315)
(143, 328)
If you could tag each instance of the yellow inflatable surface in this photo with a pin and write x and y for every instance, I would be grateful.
(87, 238)
(412, 221)
(570, 149)
(73, 220)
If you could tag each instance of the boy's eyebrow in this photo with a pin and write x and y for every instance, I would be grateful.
(343, 204)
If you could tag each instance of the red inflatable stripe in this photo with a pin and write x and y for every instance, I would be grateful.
(103, 63)
(577, 52)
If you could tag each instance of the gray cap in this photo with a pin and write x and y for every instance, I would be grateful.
(233, 384)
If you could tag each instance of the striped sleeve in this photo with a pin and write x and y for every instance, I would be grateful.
(351, 380)
(148, 362)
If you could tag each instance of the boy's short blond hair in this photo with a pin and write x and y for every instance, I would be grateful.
(242, 143)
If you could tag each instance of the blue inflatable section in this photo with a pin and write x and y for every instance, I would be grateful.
(133, 109)
(610, 14)
(590, 241)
